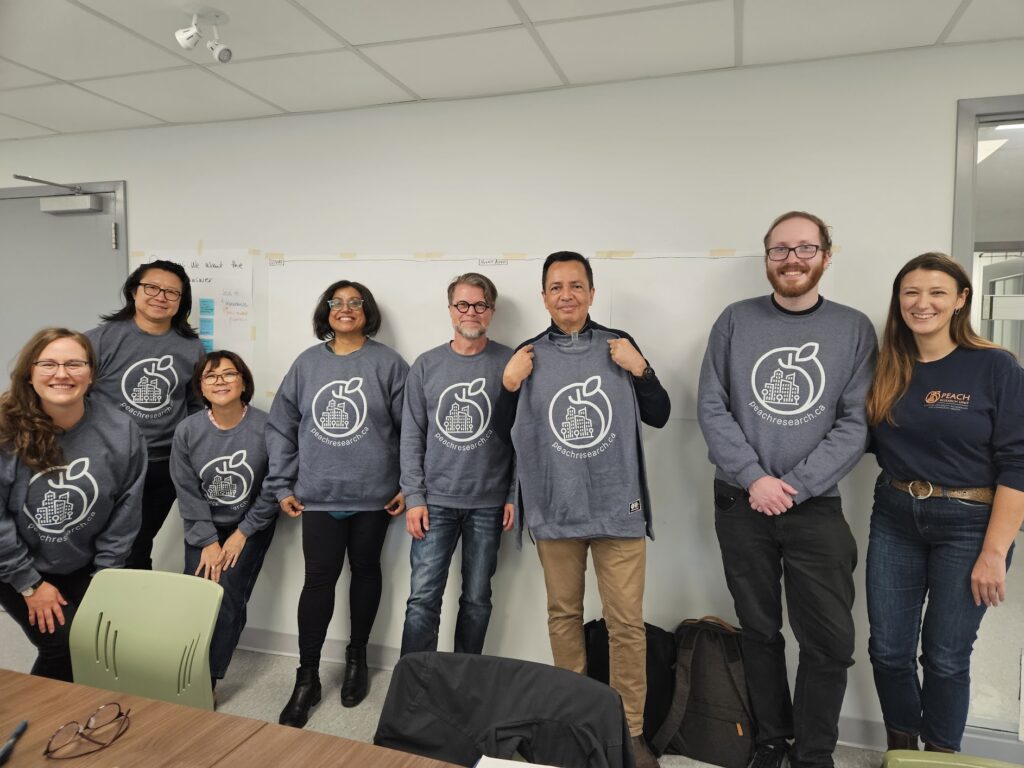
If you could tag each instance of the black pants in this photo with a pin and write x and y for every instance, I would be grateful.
(54, 659)
(324, 544)
(812, 549)
(158, 495)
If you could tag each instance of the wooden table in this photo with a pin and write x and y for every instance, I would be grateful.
(163, 734)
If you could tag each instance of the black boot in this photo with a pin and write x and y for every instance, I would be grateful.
(900, 740)
(353, 690)
(935, 748)
(305, 695)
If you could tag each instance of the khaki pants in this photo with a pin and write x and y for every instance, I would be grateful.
(620, 565)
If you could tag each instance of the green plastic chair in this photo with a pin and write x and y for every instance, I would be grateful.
(906, 758)
(147, 633)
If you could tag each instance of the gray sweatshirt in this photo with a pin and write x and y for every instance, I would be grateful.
(218, 474)
(579, 453)
(333, 430)
(84, 513)
(450, 454)
(782, 394)
(148, 377)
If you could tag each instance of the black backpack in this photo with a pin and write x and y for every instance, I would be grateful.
(661, 656)
(710, 719)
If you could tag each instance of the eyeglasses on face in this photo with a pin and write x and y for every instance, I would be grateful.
(781, 252)
(352, 304)
(155, 290)
(71, 367)
(102, 729)
(228, 377)
(478, 308)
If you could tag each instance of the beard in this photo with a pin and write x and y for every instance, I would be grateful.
(789, 290)
(471, 333)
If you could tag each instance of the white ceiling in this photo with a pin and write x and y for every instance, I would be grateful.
(68, 66)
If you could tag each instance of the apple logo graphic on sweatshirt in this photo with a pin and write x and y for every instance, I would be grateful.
(148, 384)
(339, 408)
(227, 479)
(788, 380)
(63, 500)
(580, 414)
(464, 411)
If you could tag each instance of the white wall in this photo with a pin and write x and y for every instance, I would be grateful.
(672, 165)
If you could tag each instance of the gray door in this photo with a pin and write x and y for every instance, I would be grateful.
(59, 269)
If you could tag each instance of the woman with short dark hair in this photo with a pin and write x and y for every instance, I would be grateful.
(71, 476)
(218, 464)
(333, 437)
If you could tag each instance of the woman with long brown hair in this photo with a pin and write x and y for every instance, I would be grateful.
(71, 476)
(946, 410)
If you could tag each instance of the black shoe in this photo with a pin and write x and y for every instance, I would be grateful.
(305, 696)
(770, 756)
(355, 686)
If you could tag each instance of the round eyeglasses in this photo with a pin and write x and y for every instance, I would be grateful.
(478, 307)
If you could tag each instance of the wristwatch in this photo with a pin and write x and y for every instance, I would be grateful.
(646, 375)
(31, 590)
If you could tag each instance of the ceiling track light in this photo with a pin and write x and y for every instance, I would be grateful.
(189, 37)
(220, 51)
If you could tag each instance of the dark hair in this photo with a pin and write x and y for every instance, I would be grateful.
(899, 351)
(25, 428)
(476, 280)
(214, 359)
(179, 322)
(321, 315)
(823, 233)
(566, 256)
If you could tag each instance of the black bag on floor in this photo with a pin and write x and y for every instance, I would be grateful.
(710, 719)
(661, 656)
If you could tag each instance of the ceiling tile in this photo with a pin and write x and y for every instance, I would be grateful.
(336, 80)
(372, 21)
(473, 65)
(989, 20)
(254, 28)
(13, 76)
(540, 10)
(67, 109)
(17, 129)
(792, 30)
(183, 96)
(69, 43)
(658, 42)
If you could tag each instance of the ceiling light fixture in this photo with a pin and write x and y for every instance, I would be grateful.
(1010, 127)
(188, 37)
(220, 51)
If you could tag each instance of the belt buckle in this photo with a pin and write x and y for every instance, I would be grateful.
(920, 496)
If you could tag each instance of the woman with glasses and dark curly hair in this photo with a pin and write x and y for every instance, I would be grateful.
(946, 411)
(145, 353)
(71, 476)
(333, 437)
(218, 463)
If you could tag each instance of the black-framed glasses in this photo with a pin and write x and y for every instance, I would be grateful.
(352, 304)
(478, 307)
(155, 290)
(71, 367)
(781, 252)
(102, 729)
(228, 377)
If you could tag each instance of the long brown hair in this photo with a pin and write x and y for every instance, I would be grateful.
(899, 350)
(25, 429)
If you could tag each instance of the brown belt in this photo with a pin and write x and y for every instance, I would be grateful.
(922, 489)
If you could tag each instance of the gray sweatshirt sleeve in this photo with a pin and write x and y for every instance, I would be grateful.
(115, 541)
(414, 439)
(727, 445)
(261, 514)
(847, 440)
(283, 439)
(192, 504)
(16, 565)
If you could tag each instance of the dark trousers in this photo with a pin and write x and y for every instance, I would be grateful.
(324, 544)
(811, 549)
(54, 659)
(158, 495)
(238, 583)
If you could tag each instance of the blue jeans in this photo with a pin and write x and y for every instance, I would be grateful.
(238, 583)
(431, 557)
(923, 550)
